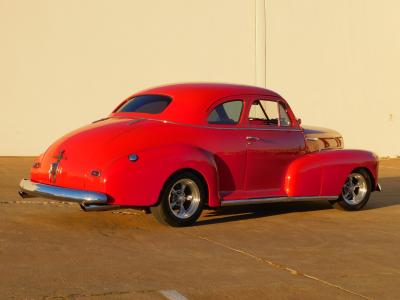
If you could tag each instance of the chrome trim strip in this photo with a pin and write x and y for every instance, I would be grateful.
(275, 200)
(249, 128)
(226, 128)
(32, 189)
(211, 127)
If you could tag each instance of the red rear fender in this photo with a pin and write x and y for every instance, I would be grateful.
(140, 183)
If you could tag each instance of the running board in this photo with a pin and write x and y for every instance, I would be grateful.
(275, 200)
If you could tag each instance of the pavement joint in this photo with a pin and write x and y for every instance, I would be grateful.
(61, 204)
(105, 294)
(121, 212)
(54, 203)
(279, 266)
(387, 167)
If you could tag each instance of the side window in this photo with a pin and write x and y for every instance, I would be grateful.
(266, 112)
(226, 113)
(284, 119)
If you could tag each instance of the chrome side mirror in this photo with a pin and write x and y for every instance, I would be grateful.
(299, 121)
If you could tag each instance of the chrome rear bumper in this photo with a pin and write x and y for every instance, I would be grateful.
(88, 200)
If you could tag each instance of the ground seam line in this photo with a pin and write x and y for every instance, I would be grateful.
(56, 203)
(387, 167)
(280, 266)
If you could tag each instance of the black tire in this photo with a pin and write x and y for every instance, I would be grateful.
(169, 209)
(359, 196)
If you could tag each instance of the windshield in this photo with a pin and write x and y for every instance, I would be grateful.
(149, 104)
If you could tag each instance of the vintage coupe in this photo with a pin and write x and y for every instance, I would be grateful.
(178, 148)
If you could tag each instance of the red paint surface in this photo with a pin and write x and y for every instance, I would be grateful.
(180, 138)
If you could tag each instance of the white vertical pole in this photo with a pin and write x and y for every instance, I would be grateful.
(260, 61)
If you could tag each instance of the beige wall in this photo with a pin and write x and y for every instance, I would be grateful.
(65, 63)
(338, 65)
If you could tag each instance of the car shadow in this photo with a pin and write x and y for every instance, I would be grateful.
(238, 213)
(389, 196)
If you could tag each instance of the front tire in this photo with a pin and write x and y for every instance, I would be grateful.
(181, 200)
(355, 191)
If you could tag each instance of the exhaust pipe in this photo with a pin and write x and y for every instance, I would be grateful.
(98, 207)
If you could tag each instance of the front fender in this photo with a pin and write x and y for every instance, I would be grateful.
(324, 173)
(140, 183)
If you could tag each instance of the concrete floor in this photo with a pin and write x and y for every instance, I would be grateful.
(52, 250)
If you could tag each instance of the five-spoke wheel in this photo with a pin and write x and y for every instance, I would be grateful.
(355, 191)
(181, 200)
(184, 198)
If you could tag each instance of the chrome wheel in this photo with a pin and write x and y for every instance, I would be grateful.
(181, 200)
(355, 189)
(184, 198)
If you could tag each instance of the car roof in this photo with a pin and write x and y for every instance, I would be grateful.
(190, 101)
(209, 91)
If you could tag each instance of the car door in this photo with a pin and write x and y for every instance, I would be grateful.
(225, 137)
(274, 140)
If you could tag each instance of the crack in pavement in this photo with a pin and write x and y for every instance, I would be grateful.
(279, 266)
(63, 203)
(55, 203)
(112, 293)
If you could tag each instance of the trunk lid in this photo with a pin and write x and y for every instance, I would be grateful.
(69, 161)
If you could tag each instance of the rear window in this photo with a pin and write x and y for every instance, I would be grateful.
(149, 104)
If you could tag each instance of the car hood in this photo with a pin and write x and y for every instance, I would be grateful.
(318, 138)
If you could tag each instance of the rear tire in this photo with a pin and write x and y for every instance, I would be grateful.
(181, 200)
(355, 191)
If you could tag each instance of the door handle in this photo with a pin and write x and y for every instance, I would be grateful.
(252, 138)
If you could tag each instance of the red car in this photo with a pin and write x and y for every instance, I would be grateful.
(179, 148)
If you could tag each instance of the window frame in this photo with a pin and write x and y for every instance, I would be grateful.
(116, 110)
(270, 126)
(223, 101)
(284, 106)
